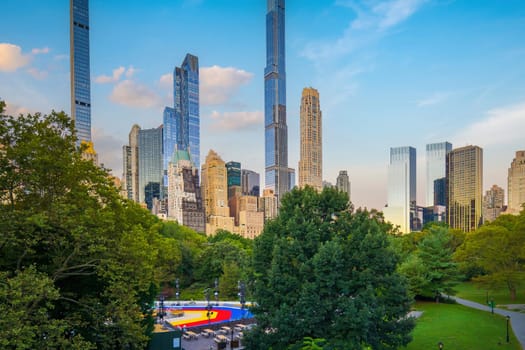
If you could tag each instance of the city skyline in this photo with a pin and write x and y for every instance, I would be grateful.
(374, 63)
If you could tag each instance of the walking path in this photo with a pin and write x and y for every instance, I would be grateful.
(517, 319)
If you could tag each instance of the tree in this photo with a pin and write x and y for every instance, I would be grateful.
(499, 249)
(91, 255)
(323, 272)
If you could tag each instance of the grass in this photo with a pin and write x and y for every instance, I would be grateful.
(475, 292)
(459, 327)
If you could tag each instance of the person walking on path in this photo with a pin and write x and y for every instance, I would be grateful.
(517, 319)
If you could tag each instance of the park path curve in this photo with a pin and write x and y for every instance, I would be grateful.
(517, 319)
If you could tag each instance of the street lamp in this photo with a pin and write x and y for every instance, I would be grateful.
(161, 308)
(208, 306)
(242, 293)
(177, 293)
(216, 293)
(508, 320)
(440, 345)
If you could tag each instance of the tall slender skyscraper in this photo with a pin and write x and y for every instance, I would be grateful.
(464, 188)
(311, 161)
(79, 66)
(150, 165)
(169, 141)
(401, 187)
(516, 183)
(436, 169)
(186, 101)
(277, 173)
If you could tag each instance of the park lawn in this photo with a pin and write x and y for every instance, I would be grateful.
(459, 327)
(475, 292)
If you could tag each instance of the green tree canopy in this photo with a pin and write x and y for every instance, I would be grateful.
(322, 272)
(91, 256)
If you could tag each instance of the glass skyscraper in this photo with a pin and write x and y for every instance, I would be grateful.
(250, 183)
(436, 158)
(401, 187)
(79, 65)
(277, 173)
(150, 165)
(233, 171)
(186, 103)
(169, 140)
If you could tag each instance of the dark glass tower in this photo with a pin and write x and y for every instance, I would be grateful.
(277, 173)
(80, 73)
(186, 103)
(150, 165)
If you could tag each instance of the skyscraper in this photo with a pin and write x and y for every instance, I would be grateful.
(401, 187)
(169, 140)
(277, 173)
(493, 203)
(126, 172)
(214, 187)
(516, 183)
(311, 161)
(184, 193)
(134, 149)
(79, 66)
(186, 106)
(464, 187)
(233, 170)
(250, 183)
(436, 169)
(343, 183)
(150, 165)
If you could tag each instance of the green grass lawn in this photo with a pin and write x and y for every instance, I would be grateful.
(475, 292)
(459, 327)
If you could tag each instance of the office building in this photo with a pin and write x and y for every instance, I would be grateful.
(169, 141)
(233, 171)
(343, 183)
(186, 106)
(436, 168)
(130, 165)
(184, 193)
(150, 172)
(126, 172)
(250, 183)
(268, 204)
(249, 219)
(401, 199)
(80, 68)
(516, 183)
(278, 176)
(311, 161)
(464, 188)
(493, 203)
(214, 187)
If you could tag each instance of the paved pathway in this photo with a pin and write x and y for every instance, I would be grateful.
(517, 319)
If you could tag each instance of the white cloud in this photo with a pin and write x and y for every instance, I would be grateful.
(37, 74)
(11, 57)
(109, 150)
(130, 72)
(166, 80)
(16, 110)
(433, 99)
(132, 94)
(117, 73)
(38, 51)
(236, 120)
(371, 20)
(501, 126)
(219, 84)
(61, 57)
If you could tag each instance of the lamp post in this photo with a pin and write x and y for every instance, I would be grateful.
(216, 292)
(242, 293)
(208, 306)
(161, 308)
(177, 293)
(440, 345)
(508, 320)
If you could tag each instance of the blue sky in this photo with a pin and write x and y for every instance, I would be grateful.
(389, 73)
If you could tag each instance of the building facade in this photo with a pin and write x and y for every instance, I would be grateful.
(516, 183)
(186, 106)
(80, 68)
(268, 204)
(493, 203)
(126, 172)
(150, 172)
(464, 188)
(214, 187)
(169, 140)
(343, 183)
(233, 171)
(401, 199)
(250, 183)
(184, 192)
(277, 174)
(436, 159)
(311, 155)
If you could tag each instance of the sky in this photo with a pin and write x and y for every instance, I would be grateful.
(389, 73)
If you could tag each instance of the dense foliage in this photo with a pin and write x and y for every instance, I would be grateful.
(324, 273)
